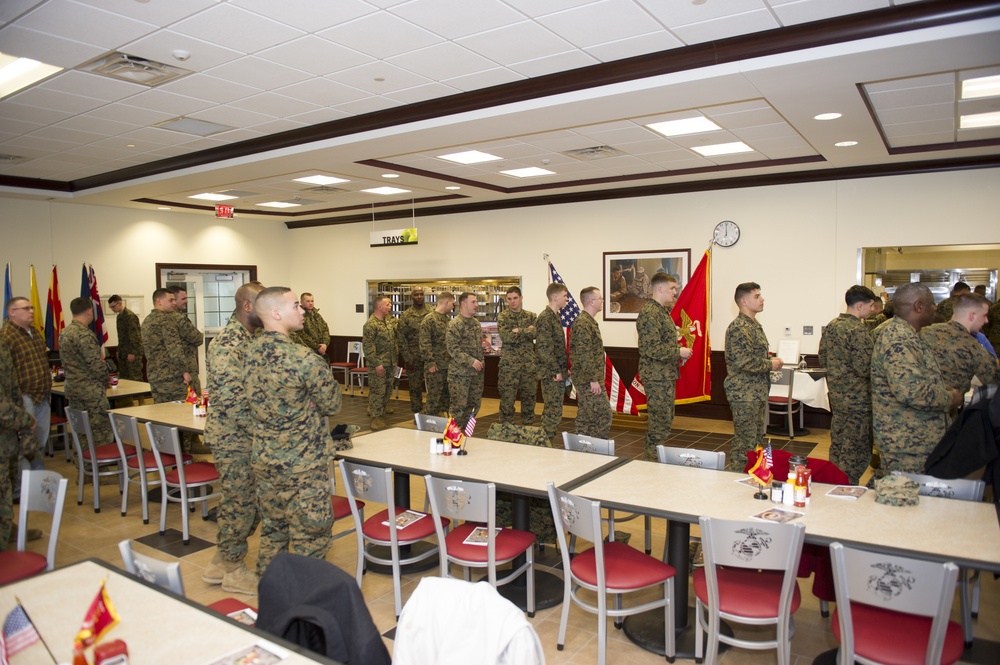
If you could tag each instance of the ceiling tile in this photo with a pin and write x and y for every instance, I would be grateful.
(322, 92)
(922, 139)
(613, 137)
(157, 13)
(518, 42)
(314, 55)
(160, 46)
(38, 144)
(92, 85)
(167, 102)
(442, 61)
(727, 26)
(422, 92)
(600, 23)
(457, 18)
(46, 48)
(923, 127)
(258, 73)
(381, 35)
(938, 94)
(10, 110)
(484, 79)
(273, 104)
(234, 117)
(803, 11)
(209, 88)
(395, 78)
(308, 15)
(915, 113)
(53, 99)
(11, 9)
(85, 24)
(89, 123)
(733, 121)
(277, 125)
(626, 48)
(99, 152)
(159, 137)
(236, 29)
(74, 136)
(122, 143)
(131, 114)
(535, 8)
(367, 105)
(672, 13)
(556, 63)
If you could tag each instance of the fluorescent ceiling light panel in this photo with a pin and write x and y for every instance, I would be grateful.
(722, 149)
(320, 180)
(390, 175)
(210, 196)
(192, 126)
(470, 157)
(826, 116)
(984, 86)
(279, 204)
(530, 172)
(453, 187)
(386, 191)
(18, 73)
(845, 144)
(686, 126)
(979, 120)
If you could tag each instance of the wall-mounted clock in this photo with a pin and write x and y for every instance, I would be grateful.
(726, 233)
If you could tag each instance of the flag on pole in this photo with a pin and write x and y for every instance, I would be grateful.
(35, 302)
(761, 469)
(470, 426)
(692, 315)
(18, 633)
(8, 292)
(98, 325)
(100, 618)
(53, 313)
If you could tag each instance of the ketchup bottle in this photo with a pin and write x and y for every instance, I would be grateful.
(800, 487)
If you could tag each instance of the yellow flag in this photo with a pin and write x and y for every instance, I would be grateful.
(36, 303)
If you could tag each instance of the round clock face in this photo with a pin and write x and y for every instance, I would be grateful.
(726, 234)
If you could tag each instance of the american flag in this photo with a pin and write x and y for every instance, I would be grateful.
(18, 633)
(470, 426)
(768, 460)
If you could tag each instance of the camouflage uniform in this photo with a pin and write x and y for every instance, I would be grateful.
(550, 342)
(290, 389)
(586, 357)
(129, 343)
(518, 369)
(944, 310)
(659, 369)
(314, 331)
(381, 344)
(992, 329)
(228, 433)
(618, 288)
(13, 418)
(873, 322)
(846, 351)
(910, 401)
(748, 380)
(409, 328)
(191, 339)
(641, 286)
(434, 351)
(166, 362)
(86, 378)
(960, 356)
(464, 340)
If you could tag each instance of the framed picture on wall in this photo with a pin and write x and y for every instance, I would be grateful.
(627, 278)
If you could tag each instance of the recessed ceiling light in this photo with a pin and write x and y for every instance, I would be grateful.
(386, 191)
(279, 204)
(163, 207)
(979, 120)
(530, 172)
(320, 180)
(192, 126)
(685, 126)
(453, 187)
(130, 145)
(470, 157)
(984, 86)
(18, 73)
(845, 144)
(209, 196)
(390, 175)
(826, 116)
(718, 149)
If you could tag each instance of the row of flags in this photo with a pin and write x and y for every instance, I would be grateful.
(53, 324)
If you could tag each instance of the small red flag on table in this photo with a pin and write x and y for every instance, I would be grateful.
(100, 618)
(761, 470)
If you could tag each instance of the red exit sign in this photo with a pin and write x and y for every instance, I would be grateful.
(224, 212)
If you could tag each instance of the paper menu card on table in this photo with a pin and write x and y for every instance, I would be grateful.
(850, 492)
(788, 351)
(479, 536)
(260, 653)
(779, 515)
(406, 518)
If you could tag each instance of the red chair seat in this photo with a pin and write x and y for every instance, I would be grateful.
(745, 592)
(895, 638)
(149, 460)
(375, 530)
(197, 473)
(509, 544)
(342, 507)
(359, 370)
(16, 565)
(780, 400)
(230, 605)
(108, 452)
(624, 567)
(344, 365)
(57, 420)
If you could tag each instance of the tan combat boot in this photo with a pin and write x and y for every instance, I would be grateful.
(377, 424)
(216, 570)
(239, 579)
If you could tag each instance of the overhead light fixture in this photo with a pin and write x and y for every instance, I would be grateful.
(979, 120)
(530, 172)
(211, 196)
(720, 149)
(685, 126)
(827, 116)
(18, 73)
(279, 204)
(133, 69)
(163, 207)
(983, 86)
(386, 191)
(320, 180)
(453, 188)
(845, 144)
(192, 126)
(470, 157)
(390, 175)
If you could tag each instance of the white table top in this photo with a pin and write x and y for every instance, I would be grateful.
(511, 466)
(809, 387)
(175, 414)
(939, 529)
(125, 388)
(157, 626)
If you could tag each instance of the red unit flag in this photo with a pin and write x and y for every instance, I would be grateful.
(691, 314)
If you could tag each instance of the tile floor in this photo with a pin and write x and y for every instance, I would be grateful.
(86, 534)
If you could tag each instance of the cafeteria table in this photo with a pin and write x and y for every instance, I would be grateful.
(174, 414)
(808, 387)
(125, 388)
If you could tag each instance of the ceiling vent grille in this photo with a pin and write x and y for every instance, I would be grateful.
(595, 152)
(133, 69)
(325, 189)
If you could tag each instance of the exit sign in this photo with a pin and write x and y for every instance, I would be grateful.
(224, 212)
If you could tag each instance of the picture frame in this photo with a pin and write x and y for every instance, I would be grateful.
(626, 292)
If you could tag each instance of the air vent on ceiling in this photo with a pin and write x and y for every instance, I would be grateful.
(595, 152)
(325, 189)
(133, 69)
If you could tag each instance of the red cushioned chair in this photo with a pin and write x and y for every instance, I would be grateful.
(166, 443)
(748, 578)
(476, 505)
(41, 491)
(59, 428)
(894, 610)
(784, 405)
(345, 366)
(341, 505)
(92, 458)
(606, 568)
(140, 465)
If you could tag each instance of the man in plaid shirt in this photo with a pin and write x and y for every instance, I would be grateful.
(27, 348)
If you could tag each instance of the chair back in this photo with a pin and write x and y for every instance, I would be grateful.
(166, 440)
(45, 492)
(354, 349)
(784, 377)
(579, 517)
(154, 571)
(426, 423)
(700, 459)
(588, 444)
(958, 488)
(126, 431)
(467, 501)
(79, 425)
(369, 483)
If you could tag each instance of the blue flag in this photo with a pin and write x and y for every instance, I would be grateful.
(8, 292)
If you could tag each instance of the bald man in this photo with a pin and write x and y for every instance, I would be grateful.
(228, 434)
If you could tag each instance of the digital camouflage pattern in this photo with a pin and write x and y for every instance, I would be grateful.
(992, 327)
(518, 371)
(524, 434)
(129, 343)
(380, 340)
(586, 357)
(539, 512)
(191, 339)
(897, 491)
(409, 330)
(314, 331)
(550, 344)
(873, 322)
(747, 383)
(659, 369)
(13, 418)
(910, 401)
(86, 378)
(290, 390)
(464, 340)
(959, 356)
(945, 310)
(165, 362)
(434, 352)
(845, 350)
(228, 432)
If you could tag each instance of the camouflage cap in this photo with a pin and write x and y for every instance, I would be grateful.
(525, 434)
(897, 491)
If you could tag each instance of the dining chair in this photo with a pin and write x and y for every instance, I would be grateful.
(428, 423)
(41, 491)
(606, 568)
(138, 466)
(359, 374)
(90, 460)
(784, 405)
(690, 457)
(341, 505)
(374, 484)
(59, 429)
(166, 444)
(345, 366)
(893, 609)
(476, 505)
(748, 578)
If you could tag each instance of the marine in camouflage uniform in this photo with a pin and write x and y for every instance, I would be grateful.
(409, 330)
(191, 338)
(959, 355)
(553, 361)
(316, 331)
(380, 339)
(13, 419)
(586, 358)
(946, 308)
(86, 373)
(129, 342)
(518, 369)
(467, 365)
(434, 352)
(290, 389)
(992, 328)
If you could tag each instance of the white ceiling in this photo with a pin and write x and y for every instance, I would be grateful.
(263, 67)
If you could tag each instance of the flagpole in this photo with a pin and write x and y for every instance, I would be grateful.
(40, 638)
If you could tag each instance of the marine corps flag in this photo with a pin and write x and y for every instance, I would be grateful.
(100, 618)
(691, 315)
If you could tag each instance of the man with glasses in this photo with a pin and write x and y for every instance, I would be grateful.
(29, 353)
(586, 358)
